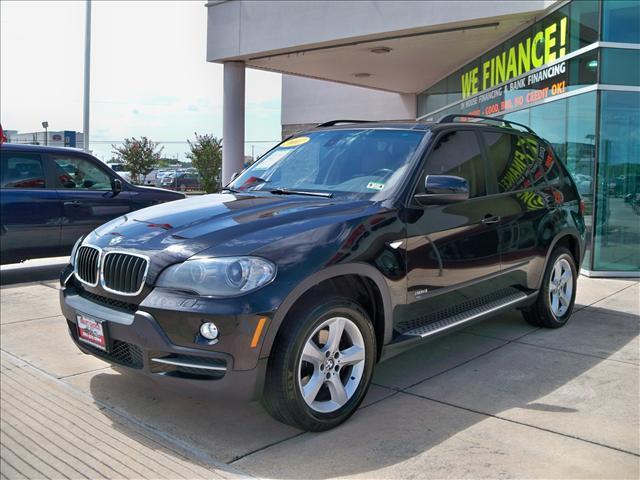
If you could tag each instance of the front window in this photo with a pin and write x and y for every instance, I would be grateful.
(76, 172)
(458, 153)
(350, 163)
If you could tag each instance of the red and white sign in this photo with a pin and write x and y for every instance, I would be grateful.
(91, 332)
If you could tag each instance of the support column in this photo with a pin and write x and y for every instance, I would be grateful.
(87, 75)
(233, 120)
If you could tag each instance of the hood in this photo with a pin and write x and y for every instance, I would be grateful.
(229, 223)
(166, 191)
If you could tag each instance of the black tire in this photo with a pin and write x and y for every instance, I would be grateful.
(282, 396)
(541, 313)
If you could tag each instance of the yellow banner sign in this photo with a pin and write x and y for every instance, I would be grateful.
(531, 52)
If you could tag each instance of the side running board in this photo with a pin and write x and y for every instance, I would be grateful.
(463, 313)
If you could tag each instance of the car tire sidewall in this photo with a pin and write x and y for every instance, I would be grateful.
(315, 317)
(559, 254)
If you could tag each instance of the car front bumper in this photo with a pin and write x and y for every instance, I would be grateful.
(137, 342)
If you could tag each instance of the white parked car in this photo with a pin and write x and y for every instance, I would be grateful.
(119, 168)
(150, 178)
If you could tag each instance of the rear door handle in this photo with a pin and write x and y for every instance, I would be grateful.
(74, 203)
(491, 219)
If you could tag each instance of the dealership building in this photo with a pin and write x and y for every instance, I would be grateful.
(570, 70)
(61, 138)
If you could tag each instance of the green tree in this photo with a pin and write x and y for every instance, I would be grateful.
(139, 157)
(206, 157)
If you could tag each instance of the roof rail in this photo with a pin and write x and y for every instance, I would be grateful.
(508, 123)
(331, 123)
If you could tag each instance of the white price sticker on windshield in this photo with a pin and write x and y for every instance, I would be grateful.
(375, 186)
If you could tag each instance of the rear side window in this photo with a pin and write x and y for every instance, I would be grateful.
(458, 153)
(516, 159)
(21, 170)
(547, 168)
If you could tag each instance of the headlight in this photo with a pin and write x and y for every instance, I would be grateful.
(72, 258)
(219, 277)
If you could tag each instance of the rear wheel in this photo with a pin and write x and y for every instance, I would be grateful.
(183, 187)
(557, 294)
(321, 365)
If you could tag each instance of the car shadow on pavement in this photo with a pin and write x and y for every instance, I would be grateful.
(554, 380)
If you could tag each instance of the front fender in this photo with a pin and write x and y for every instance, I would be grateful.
(360, 269)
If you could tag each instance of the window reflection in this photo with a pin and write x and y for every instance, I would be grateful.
(569, 125)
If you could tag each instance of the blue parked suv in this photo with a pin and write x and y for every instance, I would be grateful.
(52, 196)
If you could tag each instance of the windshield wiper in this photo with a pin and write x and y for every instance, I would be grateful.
(287, 191)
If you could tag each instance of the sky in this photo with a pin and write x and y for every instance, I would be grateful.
(149, 74)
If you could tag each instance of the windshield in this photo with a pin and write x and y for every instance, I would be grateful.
(354, 163)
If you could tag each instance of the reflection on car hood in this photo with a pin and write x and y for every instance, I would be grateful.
(163, 190)
(240, 222)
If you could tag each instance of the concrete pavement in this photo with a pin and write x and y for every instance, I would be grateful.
(52, 431)
(499, 399)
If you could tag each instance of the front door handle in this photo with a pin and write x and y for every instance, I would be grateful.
(491, 219)
(74, 203)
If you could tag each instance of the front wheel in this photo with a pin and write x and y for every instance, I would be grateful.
(321, 365)
(557, 294)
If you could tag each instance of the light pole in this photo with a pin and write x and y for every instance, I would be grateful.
(87, 65)
(45, 125)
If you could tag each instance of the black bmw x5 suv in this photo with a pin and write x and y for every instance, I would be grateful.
(341, 247)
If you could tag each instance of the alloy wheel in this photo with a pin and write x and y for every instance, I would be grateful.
(560, 287)
(331, 365)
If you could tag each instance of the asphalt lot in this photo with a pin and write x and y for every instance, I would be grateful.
(500, 399)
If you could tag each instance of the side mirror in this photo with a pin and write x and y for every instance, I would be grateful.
(116, 186)
(234, 175)
(443, 189)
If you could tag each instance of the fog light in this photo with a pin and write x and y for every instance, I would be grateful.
(209, 330)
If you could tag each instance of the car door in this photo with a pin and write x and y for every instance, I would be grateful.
(454, 245)
(523, 173)
(31, 212)
(86, 195)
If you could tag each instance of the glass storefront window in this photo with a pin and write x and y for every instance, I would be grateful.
(437, 97)
(581, 150)
(620, 20)
(584, 23)
(583, 70)
(565, 30)
(581, 129)
(617, 217)
(521, 116)
(550, 122)
(620, 67)
(454, 90)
